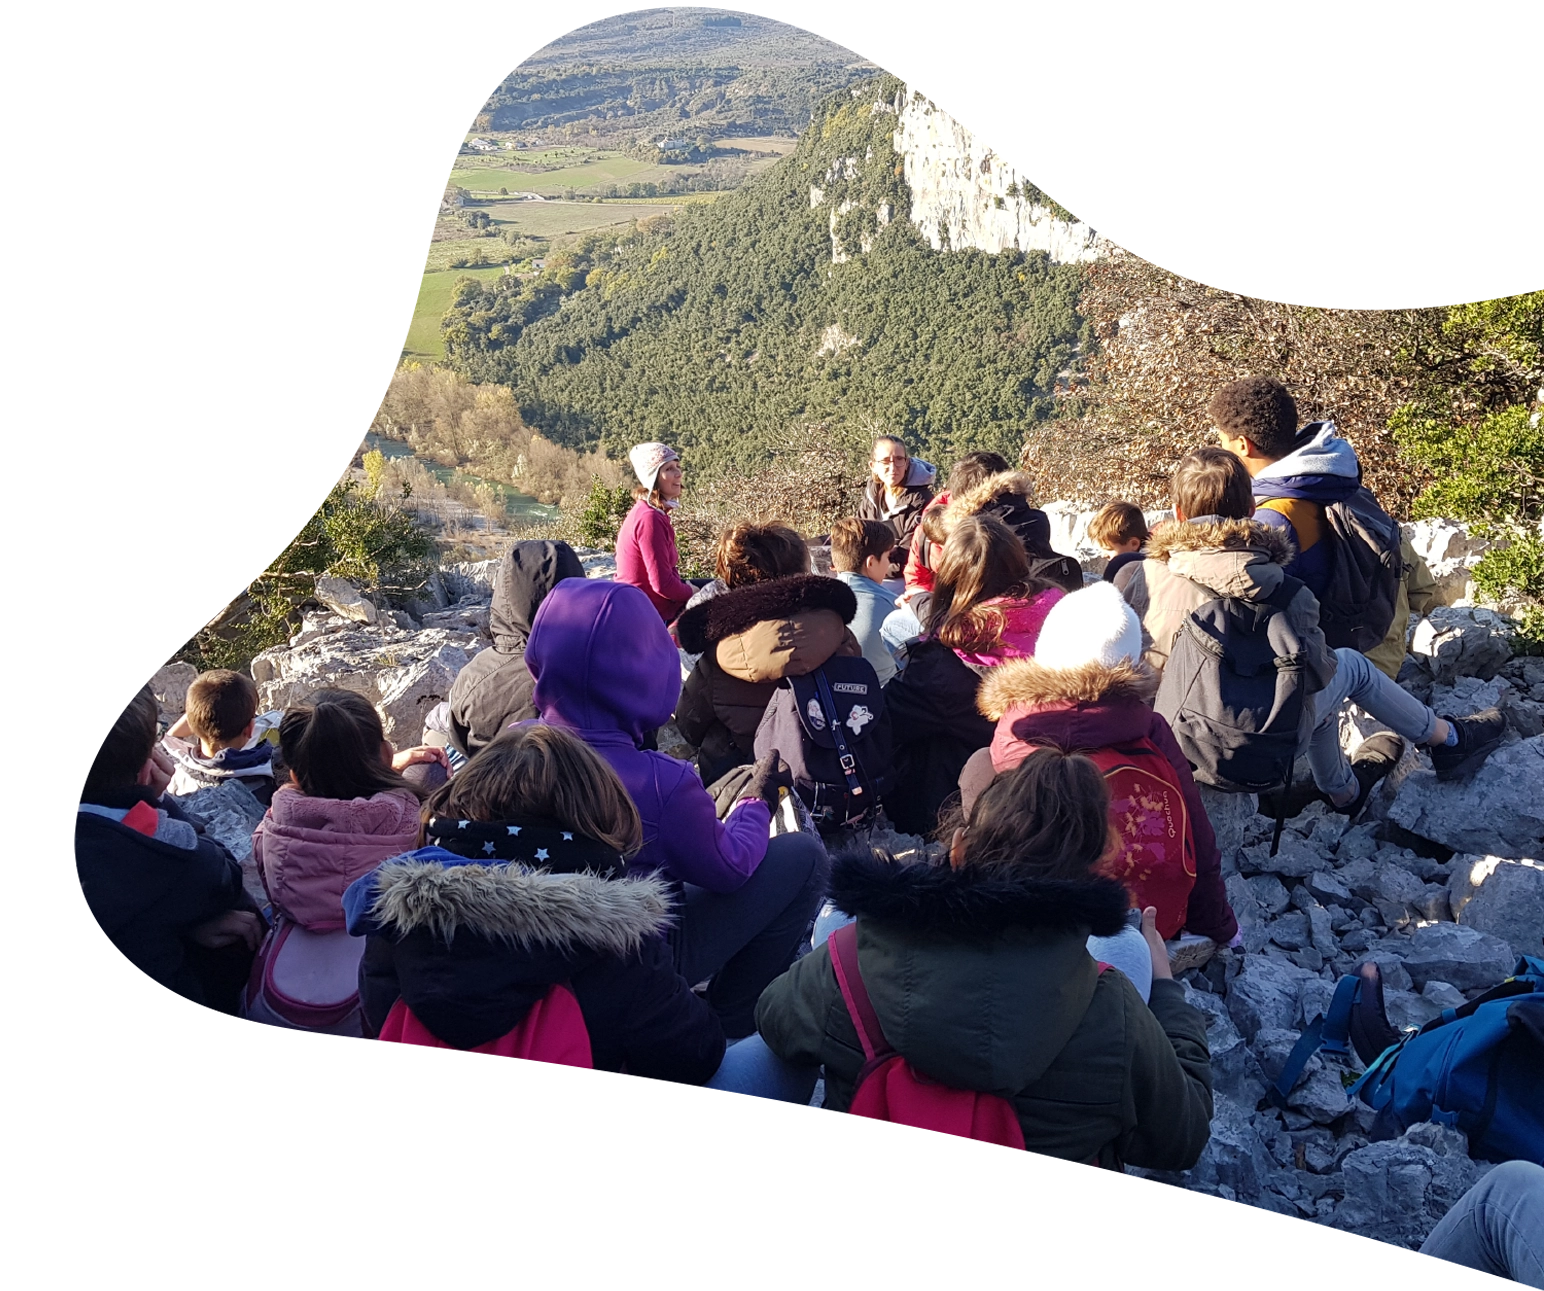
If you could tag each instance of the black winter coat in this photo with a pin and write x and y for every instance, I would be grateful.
(148, 894)
(982, 980)
(494, 689)
(934, 727)
(472, 947)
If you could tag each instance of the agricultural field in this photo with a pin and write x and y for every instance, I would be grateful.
(559, 169)
(423, 334)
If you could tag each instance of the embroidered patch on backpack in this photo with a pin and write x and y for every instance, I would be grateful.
(858, 718)
(817, 718)
(849, 688)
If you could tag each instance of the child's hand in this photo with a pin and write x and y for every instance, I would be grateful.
(234, 927)
(158, 771)
(1155, 946)
(420, 753)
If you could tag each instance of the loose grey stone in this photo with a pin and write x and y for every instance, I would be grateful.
(1468, 642)
(1443, 994)
(1502, 897)
(1265, 994)
(1498, 811)
(1464, 957)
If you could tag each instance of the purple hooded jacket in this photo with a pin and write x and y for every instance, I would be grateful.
(606, 669)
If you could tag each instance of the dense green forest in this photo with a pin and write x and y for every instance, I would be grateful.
(724, 327)
(665, 70)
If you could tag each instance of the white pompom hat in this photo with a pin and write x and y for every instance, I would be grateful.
(647, 459)
(1094, 625)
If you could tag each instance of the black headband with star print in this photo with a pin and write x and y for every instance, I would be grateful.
(563, 851)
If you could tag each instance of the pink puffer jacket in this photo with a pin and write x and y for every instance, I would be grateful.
(309, 849)
(1020, 630)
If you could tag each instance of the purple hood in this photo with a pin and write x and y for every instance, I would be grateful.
(606, 668)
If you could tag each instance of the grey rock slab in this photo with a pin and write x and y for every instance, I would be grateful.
(1322, 1097)
(1443, 994)
(170, 687)
(1269, 892)
(1501, 896)
(342, 597)
(1230, 815)
(1463, 957)
(1296, 858)
(1498, 811)
(1265, 994)
(1406, 1009)
(1396, 1191)
(1462, 642)
(1290, 930)
(1328, 887)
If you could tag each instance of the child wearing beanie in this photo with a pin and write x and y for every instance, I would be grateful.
(1087, 689)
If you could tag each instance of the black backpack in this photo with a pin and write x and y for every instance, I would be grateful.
(833, 730)
(1234, 691)
(1366, 569)
(1057, 570)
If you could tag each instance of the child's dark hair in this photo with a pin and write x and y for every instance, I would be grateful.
(853, 541)
(1212, 482)
(983, 559)
(1049, 814)
(220, 705)
(757, 553)
(1116, 523)
(332, 746)
(1259, 409)
(974, 468)
(126, 749)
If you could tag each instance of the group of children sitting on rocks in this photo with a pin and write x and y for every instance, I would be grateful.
(540, 881)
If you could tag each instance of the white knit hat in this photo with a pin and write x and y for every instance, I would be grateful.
(647, 460)
(1094, 625)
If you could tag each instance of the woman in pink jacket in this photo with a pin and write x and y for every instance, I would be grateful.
(646, 546)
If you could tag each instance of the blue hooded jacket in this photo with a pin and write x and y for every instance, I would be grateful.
(1292, 492)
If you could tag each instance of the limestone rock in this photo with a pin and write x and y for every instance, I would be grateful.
(1462, 642)
(228, 813)
(170, 687)
(1450, 552)
(1296, 858)
(1502, 897)
(1235, 1072)
(1463, 957)
(1396, 1191)
(1230, 814)
(1265, 994)
(342, 597)
(1498, 811)
(1443, 994)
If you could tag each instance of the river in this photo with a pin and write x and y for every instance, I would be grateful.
(518, 506)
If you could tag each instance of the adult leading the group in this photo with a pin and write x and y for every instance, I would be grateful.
(646, 546)
(899, 488)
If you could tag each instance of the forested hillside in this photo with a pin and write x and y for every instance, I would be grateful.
(725, 327)
(667, 70)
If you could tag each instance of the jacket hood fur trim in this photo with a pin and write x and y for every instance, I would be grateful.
(1173, 536)
(1028, 683)
(735, 611)
(939, 522)
(526, 908)
(974, 901)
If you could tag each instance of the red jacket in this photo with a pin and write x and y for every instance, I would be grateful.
(1096, 707)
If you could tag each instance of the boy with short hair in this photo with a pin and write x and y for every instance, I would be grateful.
(1120, 530)
(169, 898)
(220, 716)
(860, 557)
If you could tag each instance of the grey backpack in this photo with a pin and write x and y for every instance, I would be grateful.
(1235, 690)
(1366, 569)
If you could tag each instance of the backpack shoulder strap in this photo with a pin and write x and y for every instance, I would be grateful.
(1282, 596)
(843, 945)
(1329, 1031)
(849, 763)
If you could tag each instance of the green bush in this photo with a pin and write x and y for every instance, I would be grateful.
(603, 513)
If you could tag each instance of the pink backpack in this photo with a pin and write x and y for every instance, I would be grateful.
(889, 1088)
(553, 1031)
(1157, 860)
(304, 980)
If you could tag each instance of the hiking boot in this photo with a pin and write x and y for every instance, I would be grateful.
(1378, 755)
(1478, 737)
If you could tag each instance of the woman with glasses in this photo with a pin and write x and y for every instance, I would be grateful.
(899, 488)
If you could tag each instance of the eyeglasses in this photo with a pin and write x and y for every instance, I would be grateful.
(891, 461)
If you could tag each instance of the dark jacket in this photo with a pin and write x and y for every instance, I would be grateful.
(982, 980)
(1099, 707)
(916, 493)
(148, 892)
(1291, 493)
(494, 689)
(750, 638)
(934, 728)
(471, 947)
(1006, 496)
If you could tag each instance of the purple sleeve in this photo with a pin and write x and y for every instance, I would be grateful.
(1209, 913)
(701, 849)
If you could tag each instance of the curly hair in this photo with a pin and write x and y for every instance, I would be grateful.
(757, 553)
(1259, 409)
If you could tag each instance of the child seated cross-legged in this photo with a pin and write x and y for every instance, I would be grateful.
(860, 557)
(979, 977)
(212, 741)
(518, 928)
(169, 898)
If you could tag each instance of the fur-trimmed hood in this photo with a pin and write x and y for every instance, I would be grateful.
(435, 891)
(741, 608)
(1009, 496)
(973, 901)
(1240, 558)
(1028, 683)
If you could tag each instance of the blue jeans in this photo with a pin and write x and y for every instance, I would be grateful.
(1357, 681)
(1497, 1226)
(749, 1067)
(745, 938)
(900, 628)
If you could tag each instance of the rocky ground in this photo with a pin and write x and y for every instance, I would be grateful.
(1441, 884)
